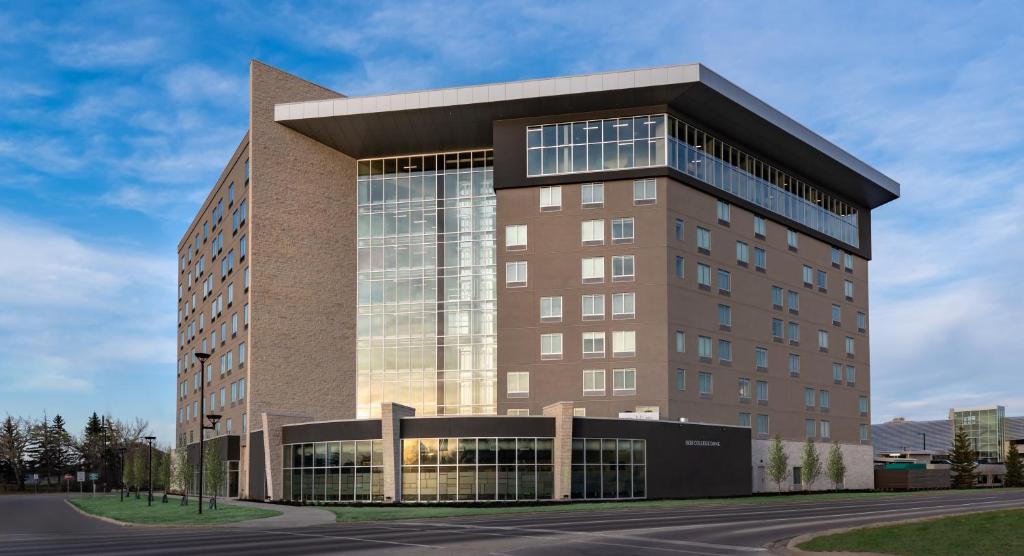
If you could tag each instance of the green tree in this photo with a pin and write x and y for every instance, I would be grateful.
(778, 463)
(129, 470)
(963, 460)
(182, 473)
(1014, 472)
(810, 465)
(64, 455)
(140, 473)
(835, 468)
(13, 443)
(164, 475)
(214, 468)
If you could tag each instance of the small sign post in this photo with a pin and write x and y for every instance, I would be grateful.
(67, 483)
(81, 479)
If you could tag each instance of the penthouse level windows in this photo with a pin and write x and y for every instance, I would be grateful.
(662, 140)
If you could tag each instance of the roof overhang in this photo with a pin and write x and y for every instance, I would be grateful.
(462, 118)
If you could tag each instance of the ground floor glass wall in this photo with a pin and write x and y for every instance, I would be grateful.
(609, 468)
(452, 469)
(334, 471)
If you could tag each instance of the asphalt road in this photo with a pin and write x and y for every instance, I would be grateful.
(44, 525)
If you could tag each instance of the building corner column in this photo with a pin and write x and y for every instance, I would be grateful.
(391, 415)
(562, 449)
(272, 455)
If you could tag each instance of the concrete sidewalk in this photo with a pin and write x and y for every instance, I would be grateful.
(291, 516)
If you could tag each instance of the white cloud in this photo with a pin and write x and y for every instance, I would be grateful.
(107, 51)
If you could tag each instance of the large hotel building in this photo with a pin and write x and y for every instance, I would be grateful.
(616, 285)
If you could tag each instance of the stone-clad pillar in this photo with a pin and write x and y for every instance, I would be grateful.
(391, 435)
(562, 452)
(272, 434)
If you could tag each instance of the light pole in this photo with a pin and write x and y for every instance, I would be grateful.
(121, 452)
(924, 441)
(213, 417)
(202, 357)
(150, 439)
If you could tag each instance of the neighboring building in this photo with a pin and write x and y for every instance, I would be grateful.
(655, 244)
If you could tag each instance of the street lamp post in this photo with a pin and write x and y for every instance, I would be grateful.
(202, 357)
(924, 441)
(213, 418)
(150, 439)
(121, 452)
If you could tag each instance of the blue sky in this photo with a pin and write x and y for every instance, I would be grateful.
(116, 118)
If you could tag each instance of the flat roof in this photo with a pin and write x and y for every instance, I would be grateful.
(461, 118)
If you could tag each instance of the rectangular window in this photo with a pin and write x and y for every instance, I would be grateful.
(762, 425)
(704, 347)
(722, 209)
(623, 268)
(809, 397)
(592, 232)
(679, 229)
(862, 405)
(593, 383)
(794, 364)
(810, 428)
(862, 322)
(724, 315)
(837, 373)
(680, 379)
(848, 261)
(744, 386)
(515, 274)
(724, 351)
(826, 430)
(515, 237)
(592, 195)
(837, 314)
(794, 300)
(242, 248)
(680, 267)
(550, 198)
(762, 391)
(624, 343)
(623, 305)
(705, 383)
(822, 280)
(851, 375)
(777, 329)
(241, 354)
(836, 257)
(760, 259)
(234, 392)
(792, 239)
(551, 308)
(593, 270)
(823, 399)
(864, 435)
(241, 389)
(703, 238)
(551, 346)
(761, 357)
(518, 385)
(823, 339)
(759, 226)
(794, 332)
(724, 281)
(593, 307)
(703, 275)
(808, 276)
(848, 289)
(776, 297)
(742, 252)
(624, 381)
(849, 346)
(593, 345)
(622, 230)
(645, 191)
(680, 341)
(743, 420)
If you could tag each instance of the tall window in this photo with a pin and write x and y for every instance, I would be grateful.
(703, 238)
(645, 191)
(680, 379)
(593, 307)
(624, 343)
(762, 425)
(551, 308)
(777, 297)
(724, 315)
(593, 383)
(851, 375)
(837, 373)
(848, 261)
(808, 275)
(551, 346)
(794, 364)
(744, 388)
(809, 397)
(848, 289)
(515, 236)
(823, 339)
(862, 322)
(823, 399)
(760, 259)
(593, 270)
(837, 314)
(759, 226)
(742, 252)
(792, 239)
(518, 384)
(704, 347)
(724, 351)
(551, 198)
(680, 267)
(680, 341)
(762, 391)
(592, 195)
(679, 229)
(724, 281)
(722, 209)
(761, 357)
(703, 275)
(592, 232)
(705, 383)
(777, 329)
(822, 280)
(623, 305)
(849, 346)
(515, 274)
(794, 332)
(794, 300)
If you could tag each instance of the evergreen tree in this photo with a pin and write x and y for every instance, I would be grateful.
(13, 442)
(963, 460)
(1014, 472)
(214, 468)
(91, 446)
(810, 466)
(836, 467)
(63, 445)
(778, 463)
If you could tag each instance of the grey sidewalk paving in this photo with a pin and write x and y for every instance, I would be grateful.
(291, 516)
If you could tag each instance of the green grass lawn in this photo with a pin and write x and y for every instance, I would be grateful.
(171, 513)
(987, 533)
(381, 513)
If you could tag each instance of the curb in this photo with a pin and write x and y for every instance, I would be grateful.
(791, 548)
(154, 525)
